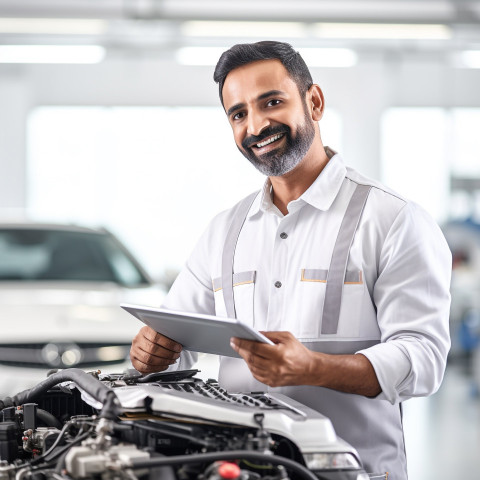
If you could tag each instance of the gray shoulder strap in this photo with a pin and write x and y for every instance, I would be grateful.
(338, 263)
(228, 256)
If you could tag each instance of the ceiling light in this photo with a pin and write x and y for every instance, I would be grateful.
(63, 26)
(470, 58)
(51, 53)
(328, 57)
(382, 31)
(243, 29)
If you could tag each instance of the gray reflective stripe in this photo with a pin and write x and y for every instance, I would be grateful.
(314, 275)
(239, 278)
(338, 263)
(239, 217)
(320, 275)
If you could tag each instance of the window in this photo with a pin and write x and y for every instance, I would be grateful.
(34, 254)
(422, 148)
(153, 175)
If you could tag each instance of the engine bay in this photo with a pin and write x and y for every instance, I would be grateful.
(166, 426)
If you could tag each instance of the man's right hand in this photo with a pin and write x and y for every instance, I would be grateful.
(153, 352)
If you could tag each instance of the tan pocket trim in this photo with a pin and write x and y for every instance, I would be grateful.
(240, 278)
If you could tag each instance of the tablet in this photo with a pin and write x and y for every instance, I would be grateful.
(196, 332)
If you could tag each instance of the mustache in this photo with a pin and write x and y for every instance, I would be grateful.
(251, 140)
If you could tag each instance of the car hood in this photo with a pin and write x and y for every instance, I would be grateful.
(73, 311)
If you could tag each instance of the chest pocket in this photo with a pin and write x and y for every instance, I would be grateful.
(243, 294)
(332, 296)
(313, 287)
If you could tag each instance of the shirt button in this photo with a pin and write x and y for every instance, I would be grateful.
(283, 235)
(278, 284)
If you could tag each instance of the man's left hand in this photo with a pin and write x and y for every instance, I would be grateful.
(288, 362)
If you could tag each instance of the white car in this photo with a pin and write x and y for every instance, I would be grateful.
(60, 291)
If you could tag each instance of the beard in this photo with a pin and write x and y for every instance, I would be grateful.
(283, 159)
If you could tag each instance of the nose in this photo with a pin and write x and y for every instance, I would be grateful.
(257, 122)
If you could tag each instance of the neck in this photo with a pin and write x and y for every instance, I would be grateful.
(293, 184)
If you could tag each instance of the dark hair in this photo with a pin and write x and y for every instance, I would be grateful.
(244, 53)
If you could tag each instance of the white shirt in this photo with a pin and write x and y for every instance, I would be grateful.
(394, 308)
(399, 270)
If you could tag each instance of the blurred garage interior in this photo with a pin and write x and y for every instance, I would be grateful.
(109, 118)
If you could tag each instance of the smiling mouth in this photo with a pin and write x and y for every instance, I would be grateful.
(269, 140)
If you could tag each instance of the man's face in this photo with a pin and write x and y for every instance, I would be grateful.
(270, 122)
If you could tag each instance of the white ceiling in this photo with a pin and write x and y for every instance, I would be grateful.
(159, 26)
(457, 11)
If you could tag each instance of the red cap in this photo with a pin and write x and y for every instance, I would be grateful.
(229, 470)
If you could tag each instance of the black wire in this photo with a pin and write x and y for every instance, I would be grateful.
(62, 433)
(61, 463)
(232, 455)
(54, 445)
(59, 452)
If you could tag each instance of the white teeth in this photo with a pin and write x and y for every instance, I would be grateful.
(269, 140)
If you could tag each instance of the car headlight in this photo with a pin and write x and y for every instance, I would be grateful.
(330, 461)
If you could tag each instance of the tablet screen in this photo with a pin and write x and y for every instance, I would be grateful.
(196, 332)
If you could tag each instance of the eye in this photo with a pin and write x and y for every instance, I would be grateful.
(238, 115)
(273, 102)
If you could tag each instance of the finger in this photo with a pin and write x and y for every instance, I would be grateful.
(152, 343)
(157, 353)
(251, 346)
(157, 350)
(256, 362)
(278, 337)
(137, 355)
(150, 352)
(144, 368)
(258, 365)
(158, 339)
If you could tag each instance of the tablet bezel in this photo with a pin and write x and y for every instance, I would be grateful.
(196, 332)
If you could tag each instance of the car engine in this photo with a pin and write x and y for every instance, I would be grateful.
(165, 426)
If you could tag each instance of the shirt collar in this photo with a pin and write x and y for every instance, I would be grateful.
(320, 194)
(263, 202)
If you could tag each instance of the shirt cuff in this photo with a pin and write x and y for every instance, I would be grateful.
(392, 367)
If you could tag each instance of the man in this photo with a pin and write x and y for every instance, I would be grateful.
(347, 278)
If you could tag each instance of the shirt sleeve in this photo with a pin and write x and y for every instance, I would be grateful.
(412, 296)
(192, 292)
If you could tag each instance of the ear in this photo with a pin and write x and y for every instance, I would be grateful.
(315, 102)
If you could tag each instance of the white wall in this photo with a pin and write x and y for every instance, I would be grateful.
(360, 95)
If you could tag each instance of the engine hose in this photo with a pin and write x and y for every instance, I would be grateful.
(110, 407)
(85, 381)
(304, 472)
(48, 419)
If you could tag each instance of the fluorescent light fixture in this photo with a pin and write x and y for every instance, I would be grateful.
(382, 31)
(62, 26)
(328, 57)
(470, 58)
(242, 29)
(51, 53)
(199, 55)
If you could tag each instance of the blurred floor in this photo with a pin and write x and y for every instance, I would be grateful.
(442, 432)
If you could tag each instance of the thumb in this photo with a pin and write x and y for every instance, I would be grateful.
(277, 337)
